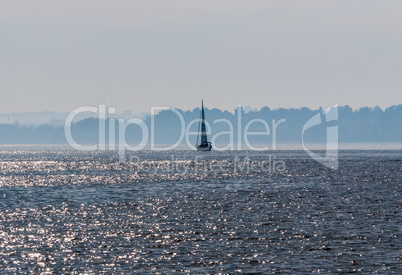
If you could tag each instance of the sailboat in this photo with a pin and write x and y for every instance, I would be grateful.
(204, 145)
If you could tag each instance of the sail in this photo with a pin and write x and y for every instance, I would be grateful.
(203, 128)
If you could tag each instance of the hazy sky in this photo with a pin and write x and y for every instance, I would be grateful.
(59, 55)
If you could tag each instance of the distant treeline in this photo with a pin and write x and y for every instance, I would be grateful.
(364, 125)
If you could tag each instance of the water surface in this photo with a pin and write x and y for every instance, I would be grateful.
(75, 212)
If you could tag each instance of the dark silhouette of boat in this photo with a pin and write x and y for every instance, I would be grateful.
(204, 145)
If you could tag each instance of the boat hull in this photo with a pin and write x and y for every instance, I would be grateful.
(204, 148)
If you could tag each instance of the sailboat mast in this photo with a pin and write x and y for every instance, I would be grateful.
(203, 128)
(202, 111)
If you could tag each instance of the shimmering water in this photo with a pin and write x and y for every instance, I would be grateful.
(74, 212)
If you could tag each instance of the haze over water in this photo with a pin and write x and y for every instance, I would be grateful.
(84, 212)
